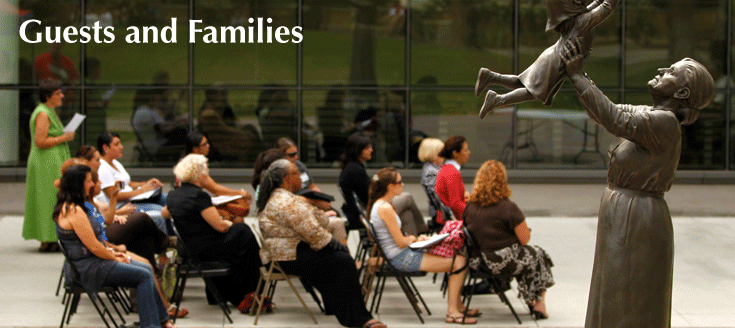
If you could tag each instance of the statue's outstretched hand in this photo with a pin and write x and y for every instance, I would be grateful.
(572, 56)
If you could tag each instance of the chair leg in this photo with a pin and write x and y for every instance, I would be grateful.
(102, 310)
(380, 297)
(179, 291)
(418, 295)
(309, 288)
(503, 298)
(300, 299)
(74, 303)
(409, 294)
(61, 278)
(110, 297)
(259, 298)
(66, 300)
(222, 303)
(376, 293)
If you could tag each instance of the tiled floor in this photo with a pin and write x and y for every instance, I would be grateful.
(704, 281)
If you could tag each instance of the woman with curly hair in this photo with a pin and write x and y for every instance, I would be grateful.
(498, 226)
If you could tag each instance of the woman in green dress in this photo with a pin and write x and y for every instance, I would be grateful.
(49, 150)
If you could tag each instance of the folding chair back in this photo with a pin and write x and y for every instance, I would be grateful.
(483, 271)
(74, 288)
(438, 205)
(268, 277)
(190, 266)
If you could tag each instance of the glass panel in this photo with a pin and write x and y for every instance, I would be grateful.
(354, 42)
(244, 63)
(731, 87)
(604, 60)
(442, 114)
(124, 62)
(451, 38)
(561, 137)
(241, 123)
(337, 113)
(150, 133)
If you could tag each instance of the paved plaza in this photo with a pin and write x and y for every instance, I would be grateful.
(704, 271)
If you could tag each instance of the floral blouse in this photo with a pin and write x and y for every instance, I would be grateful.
(288, 219)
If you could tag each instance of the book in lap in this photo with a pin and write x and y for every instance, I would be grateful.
(431, 242)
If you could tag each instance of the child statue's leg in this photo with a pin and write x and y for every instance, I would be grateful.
(487, 77)
(494, 100)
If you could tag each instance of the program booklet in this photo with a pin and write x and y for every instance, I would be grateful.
(431, 242)
(219, 200)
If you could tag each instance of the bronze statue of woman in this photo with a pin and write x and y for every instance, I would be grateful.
(634, 253)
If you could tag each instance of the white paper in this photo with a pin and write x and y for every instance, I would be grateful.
(75, 122)
(144, 195)
(426, 243)
(219, 200)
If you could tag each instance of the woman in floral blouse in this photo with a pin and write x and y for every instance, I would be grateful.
(297, 237)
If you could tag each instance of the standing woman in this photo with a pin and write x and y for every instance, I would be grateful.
(634, 253)
(49, 150)
(449, 185)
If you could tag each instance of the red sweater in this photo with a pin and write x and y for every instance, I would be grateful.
(450, 189)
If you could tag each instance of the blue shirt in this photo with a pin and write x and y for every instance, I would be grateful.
(100, 219)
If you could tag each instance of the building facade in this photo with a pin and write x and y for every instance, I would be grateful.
(398, 71)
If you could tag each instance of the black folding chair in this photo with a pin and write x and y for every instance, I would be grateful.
(385, 270)
(74, 289)
(438, 205)
(483, 272)
(365, 245)
(189, 266)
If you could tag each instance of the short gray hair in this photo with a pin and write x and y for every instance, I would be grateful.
(191, 168)
(429, 149)
(271, 179)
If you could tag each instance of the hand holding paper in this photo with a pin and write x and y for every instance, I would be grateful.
(75, 122)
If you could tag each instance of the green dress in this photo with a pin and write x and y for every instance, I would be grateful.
(44, 166)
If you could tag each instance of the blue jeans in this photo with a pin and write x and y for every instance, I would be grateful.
(138, 275)
(154, 211)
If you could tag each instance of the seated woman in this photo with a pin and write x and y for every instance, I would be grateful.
(80, 234)
(500, 229)
(449, 185)
(197, 143)
(111, 171)
(386, 185)
(429, 155)
(210, 237)
(136, 230)
(297, 237)
(354, 180)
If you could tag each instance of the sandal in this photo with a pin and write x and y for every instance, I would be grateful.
(168, 324)
(473, 313)
(462, 320)
(374, 323)
(179, 314)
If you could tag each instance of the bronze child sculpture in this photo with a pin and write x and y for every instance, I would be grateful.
(634, 253)
(542, 80)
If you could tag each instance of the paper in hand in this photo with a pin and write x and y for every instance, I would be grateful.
(108, 95)
(75, 122)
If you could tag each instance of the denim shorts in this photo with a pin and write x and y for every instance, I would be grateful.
(408, 260)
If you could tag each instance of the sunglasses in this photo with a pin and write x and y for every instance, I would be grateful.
(294, 154)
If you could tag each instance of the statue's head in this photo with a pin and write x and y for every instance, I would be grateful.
(686, 80)
(558, 11)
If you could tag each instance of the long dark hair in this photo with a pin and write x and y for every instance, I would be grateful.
(453, 143)
(379, 185)
(263, 161)
(105, 139)
(71, 189)
(355, 144)
(272, 179)
(193, 139)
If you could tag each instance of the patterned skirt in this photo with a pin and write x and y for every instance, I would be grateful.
(530, 264)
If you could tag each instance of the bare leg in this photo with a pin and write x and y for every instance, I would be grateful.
(434, 263)
(487, 77)
(493, 100)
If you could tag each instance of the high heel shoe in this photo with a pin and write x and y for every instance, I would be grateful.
(537, 315)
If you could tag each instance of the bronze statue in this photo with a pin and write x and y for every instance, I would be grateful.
(634, 253)
(542, 80)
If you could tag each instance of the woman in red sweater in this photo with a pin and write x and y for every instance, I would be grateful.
(449, 185)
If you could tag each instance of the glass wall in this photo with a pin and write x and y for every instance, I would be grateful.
(396, 70)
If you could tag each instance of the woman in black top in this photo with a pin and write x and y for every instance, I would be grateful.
(210, 237)
(354, 180)
(499, 228)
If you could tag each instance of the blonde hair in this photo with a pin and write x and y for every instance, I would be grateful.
(429, 149)
(191, 168)
(491, 184)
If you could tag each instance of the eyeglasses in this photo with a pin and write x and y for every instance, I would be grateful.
(398, 182)
(204, 144)
(294, 154)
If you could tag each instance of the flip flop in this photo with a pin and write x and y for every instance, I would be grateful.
(180, 314)
(458, 320)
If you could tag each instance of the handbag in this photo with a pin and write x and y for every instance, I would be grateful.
(238, 207)
(450, 245)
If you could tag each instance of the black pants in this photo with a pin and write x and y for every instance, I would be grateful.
(334, 274)
(240, 249)
(139, 235)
